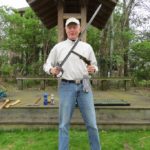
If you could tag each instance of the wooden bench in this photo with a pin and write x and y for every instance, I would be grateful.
(103, 80)
(20, 81)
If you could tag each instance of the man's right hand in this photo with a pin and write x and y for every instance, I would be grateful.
(55, 71)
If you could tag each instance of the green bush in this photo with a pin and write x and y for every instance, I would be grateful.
(142, 74)
(6, 69)
(36, 69)
(144, 83)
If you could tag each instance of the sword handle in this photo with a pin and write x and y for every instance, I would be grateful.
(61, 71)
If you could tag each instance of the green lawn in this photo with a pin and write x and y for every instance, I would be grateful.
(48, 140)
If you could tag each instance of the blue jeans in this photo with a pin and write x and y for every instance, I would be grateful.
(69, 93)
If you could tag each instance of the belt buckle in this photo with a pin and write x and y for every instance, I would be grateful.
(77, 81)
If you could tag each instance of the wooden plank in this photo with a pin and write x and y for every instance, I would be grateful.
(106, 115)
(111, 102)
(30, 1)
(49, 78)
(5, 103)
(32, 78)
(76, 15)
(95, 78)
(12, 103)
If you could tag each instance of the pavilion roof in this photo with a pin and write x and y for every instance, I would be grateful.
(47, 11)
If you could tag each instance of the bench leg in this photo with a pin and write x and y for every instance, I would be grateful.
(126, 85)
(104, 85)
(20, 84)
(43, 84)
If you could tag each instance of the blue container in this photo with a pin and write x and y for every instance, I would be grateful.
(45, 96)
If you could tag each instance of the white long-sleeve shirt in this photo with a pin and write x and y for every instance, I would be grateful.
(74, 67)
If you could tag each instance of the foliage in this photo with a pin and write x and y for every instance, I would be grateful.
(143, 83)
(36, 68)
(93, 35)
(142, 50)
(6, 69)
(26, 36)
(140, 60)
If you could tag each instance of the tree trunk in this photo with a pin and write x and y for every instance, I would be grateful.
(26, 72)
(125, 26)
(111, 43)
(104, 53)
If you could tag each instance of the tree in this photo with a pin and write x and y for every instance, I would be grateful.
(93, 34)
(140, 60)
(26, 35)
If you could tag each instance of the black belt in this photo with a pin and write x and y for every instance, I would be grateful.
(72, 81)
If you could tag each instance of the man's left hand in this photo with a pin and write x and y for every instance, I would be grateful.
(91, 69)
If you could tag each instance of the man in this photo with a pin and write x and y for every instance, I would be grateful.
(71, 88)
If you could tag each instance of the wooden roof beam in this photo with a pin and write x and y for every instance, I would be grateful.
(46, 16)
(43, 12)
(41, 4)
(30, 1)
(52, 23)
(108, 4)
(68, 15)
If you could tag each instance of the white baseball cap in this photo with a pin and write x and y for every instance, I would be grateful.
(72, 20)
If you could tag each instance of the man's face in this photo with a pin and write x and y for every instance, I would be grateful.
(72, 31)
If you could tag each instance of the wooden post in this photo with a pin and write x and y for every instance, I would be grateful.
(83, 20)
(60, 21)
(20, 84)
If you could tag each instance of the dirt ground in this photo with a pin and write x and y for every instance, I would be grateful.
(137, 97)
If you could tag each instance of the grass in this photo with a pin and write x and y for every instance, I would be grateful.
(48, 140)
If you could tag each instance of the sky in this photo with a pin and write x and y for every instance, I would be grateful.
(14, 3)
